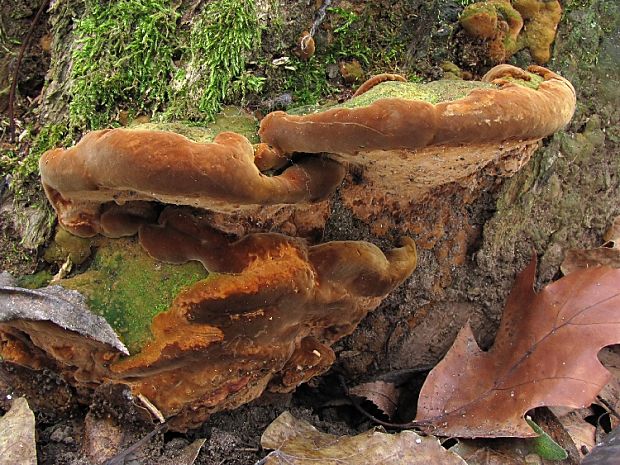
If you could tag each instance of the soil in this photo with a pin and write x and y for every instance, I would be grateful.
(565, 197)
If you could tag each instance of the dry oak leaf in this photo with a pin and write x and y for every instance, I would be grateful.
(299, 443)
(586, 258)
(544, 355)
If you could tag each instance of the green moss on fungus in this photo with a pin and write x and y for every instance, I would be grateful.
(432, 92)
(128, 288)
(229, 119)
(445, 90)
(36, 280)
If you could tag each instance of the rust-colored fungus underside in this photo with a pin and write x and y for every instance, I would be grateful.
(88, 183)
(268, 317)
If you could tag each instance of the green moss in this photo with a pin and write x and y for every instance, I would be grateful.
(349, 37)
(432, 92)
(36, 280)
(308, 81)
(374, 36)
(128, 288)
(215, 56)
(124, 58)
(25, 171)
(229, 119)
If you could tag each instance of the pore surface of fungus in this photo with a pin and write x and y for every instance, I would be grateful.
(94, 186)
(266, 318)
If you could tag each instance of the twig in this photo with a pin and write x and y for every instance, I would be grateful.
(151, 408)
(20, 57)
(610, 407)
(119, 458)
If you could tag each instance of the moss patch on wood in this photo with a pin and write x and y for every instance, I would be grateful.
(128, 288)
(214, 57)
(123, 57)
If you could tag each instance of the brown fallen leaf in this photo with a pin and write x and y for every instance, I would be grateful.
(383, 395)
(103, 438)
(475, 453)
(187, 456)
(577, 259)
(544, 354)
(574, 423)
(299, 443)
(17, 435)
(613, 233)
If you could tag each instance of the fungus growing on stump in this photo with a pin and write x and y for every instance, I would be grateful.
(87, 183)
(409, 142)
(267, 318)
(272, 305)
(509, 27)
(508, 105)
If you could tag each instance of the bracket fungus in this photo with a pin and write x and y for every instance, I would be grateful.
(94, 186)
(509, 104)
(270, 308)
(267, 318)
(511, 26)
(410, 142)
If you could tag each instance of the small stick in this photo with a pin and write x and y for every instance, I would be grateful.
(151, 408)
(20, 57)
(119, 458)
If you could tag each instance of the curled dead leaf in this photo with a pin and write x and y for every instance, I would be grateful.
(577, 259)
(299, 443)
(383, 395)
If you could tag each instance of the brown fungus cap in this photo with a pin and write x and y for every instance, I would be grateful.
(266, 320)
(123, 166)
(513, 105)
(269, 318)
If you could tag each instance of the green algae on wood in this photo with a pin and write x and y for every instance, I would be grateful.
(445, 90)
(128, 288)
(432, 92)
(229, 119)
(66, 246)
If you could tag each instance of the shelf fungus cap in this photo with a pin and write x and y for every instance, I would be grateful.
(265, 320)
(509, 104)
(122, 166)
